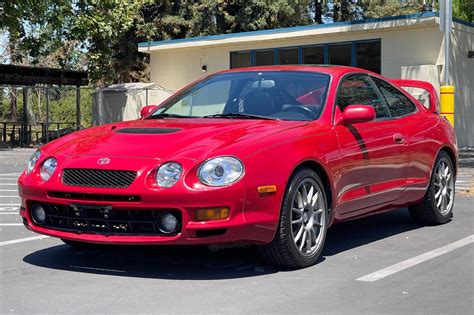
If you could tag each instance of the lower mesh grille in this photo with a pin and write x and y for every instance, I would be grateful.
(103, 220)
(98, 178)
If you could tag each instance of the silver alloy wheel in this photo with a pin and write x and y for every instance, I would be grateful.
(444, 187)
(308, 217)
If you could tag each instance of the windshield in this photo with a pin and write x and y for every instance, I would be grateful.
(285, 95)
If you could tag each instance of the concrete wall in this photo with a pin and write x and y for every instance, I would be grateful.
(461, 73)
(401, 47)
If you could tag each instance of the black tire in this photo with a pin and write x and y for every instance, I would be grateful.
(427, 211)
(78, 245)
(283, 251)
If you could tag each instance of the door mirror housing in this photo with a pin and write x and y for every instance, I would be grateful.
(354, 114)
(146, 110)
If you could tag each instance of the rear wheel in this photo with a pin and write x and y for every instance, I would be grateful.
(437, 205)
(301, 232)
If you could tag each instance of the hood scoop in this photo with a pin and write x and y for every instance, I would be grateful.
(148, 131)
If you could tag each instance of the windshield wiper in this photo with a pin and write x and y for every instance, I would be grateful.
(166, 115)
(239, 115)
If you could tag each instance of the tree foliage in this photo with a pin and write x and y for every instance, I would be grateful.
(102, 35)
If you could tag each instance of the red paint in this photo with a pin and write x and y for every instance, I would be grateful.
(354, 114)
(371, 166)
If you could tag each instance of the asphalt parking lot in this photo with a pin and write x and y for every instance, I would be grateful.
(380, 264)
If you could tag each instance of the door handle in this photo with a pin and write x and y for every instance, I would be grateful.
(398, 138)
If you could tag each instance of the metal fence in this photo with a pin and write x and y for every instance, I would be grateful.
(51, 111)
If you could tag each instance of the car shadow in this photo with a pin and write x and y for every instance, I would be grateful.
(199, 263)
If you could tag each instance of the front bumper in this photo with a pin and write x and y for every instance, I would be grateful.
(254, 226)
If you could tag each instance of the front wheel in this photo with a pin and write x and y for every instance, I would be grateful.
(437, 205)
(301, 232)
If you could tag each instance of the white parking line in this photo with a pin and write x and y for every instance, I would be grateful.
(2, 190)
(1, 212)
(382, 273)
(10, 204)
(11, 224)
(5, 209)
(16, 174)
(13, 196)
(21, 240)
(4, 184)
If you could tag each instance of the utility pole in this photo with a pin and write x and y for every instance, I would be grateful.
(445, 25)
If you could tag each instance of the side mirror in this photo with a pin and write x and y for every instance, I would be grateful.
(354, 114)
(146, 110)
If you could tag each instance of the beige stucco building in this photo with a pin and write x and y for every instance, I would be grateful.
(409, 47)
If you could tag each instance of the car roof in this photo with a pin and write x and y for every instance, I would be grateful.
(328, 69)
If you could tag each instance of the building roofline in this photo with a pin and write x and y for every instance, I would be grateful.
(222, 39)
(285, 30)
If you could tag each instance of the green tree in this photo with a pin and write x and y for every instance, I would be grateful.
(464, 10)
(384, 8)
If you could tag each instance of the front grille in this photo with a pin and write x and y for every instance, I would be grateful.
(98, 178)
(93, 197)
(103, 220)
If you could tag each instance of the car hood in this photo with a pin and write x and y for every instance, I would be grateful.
(169, 137)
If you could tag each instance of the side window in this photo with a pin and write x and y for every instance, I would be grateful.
(357, 89)
(398, 104)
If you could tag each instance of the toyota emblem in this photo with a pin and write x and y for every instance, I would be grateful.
(103, 161)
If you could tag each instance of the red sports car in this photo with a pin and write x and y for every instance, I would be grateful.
(271, 156)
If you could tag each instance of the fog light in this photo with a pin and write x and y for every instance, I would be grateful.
(212, 214)
(168, 223)
(38, 214)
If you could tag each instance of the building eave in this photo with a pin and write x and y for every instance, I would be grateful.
(407, 21)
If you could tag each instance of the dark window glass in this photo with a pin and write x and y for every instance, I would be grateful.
(340, 54)
(398, 104)
(369, 56)
(240, 59)
(264, 58)
(288, 56)
(313, 55)
(357, 89)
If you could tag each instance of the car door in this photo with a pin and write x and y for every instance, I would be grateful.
(418, 127)
(374, 154)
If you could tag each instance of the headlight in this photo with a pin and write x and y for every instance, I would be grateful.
(220, 171)
(48, 168)
(168, 174)
(32, 161)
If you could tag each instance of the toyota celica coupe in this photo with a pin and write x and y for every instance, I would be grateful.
(271, 156)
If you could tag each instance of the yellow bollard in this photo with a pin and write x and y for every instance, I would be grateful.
(447, 103)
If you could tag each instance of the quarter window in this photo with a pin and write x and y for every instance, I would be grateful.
(398, 104)
(357, 89)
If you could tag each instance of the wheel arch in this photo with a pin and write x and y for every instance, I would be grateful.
(452, 155)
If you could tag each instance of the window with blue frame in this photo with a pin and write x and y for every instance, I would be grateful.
(313, 55)
(364, 54)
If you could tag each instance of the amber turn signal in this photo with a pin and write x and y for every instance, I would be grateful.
(267, 189)
(212, 214)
